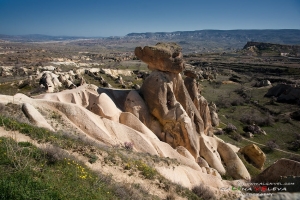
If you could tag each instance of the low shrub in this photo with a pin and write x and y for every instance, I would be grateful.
(253, 129)
(255, 118)
(236, 136)
(271, 145)
(219, 132)
(294, 145)
(238, 102)
(230, 128)
(128, 145)
(203, 192)
(222, 102)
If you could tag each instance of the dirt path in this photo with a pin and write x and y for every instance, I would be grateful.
(265, 145)
(274, 148)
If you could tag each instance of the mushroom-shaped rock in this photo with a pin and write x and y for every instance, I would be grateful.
(254, 154)
(163, 56)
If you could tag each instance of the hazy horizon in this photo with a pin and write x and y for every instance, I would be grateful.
(140, 33)
(105, 18)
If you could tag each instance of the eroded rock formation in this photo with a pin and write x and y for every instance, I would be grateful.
(167, 117)
(182, 113)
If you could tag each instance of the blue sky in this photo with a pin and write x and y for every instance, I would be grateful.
(120, 17)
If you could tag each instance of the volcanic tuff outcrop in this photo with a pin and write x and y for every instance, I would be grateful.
(182, 113)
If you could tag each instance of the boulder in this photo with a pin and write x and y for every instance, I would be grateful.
(47, 83)
(285, 93)
(253, 153)
(263, 83)
(282, 167)
(163, 56)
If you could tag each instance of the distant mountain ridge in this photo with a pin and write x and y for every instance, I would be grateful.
(221, 40)
(280, 36)
(201, 41)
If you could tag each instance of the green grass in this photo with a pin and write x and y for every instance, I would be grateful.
(281, 130)
(26, 173)
(8, 89)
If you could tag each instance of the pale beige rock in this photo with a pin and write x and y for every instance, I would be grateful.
(234, 148)
(176, 123)
(132, 121)
(215, 121)
(46, 81)
(87, 96)
(234, 165)
(213, 150)
(199, 102)
(105, 107)
(183, 151)
(205, 114)
(136, 105)
(255, 154)
(208, 150)
(35, 116)
(202, 162)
